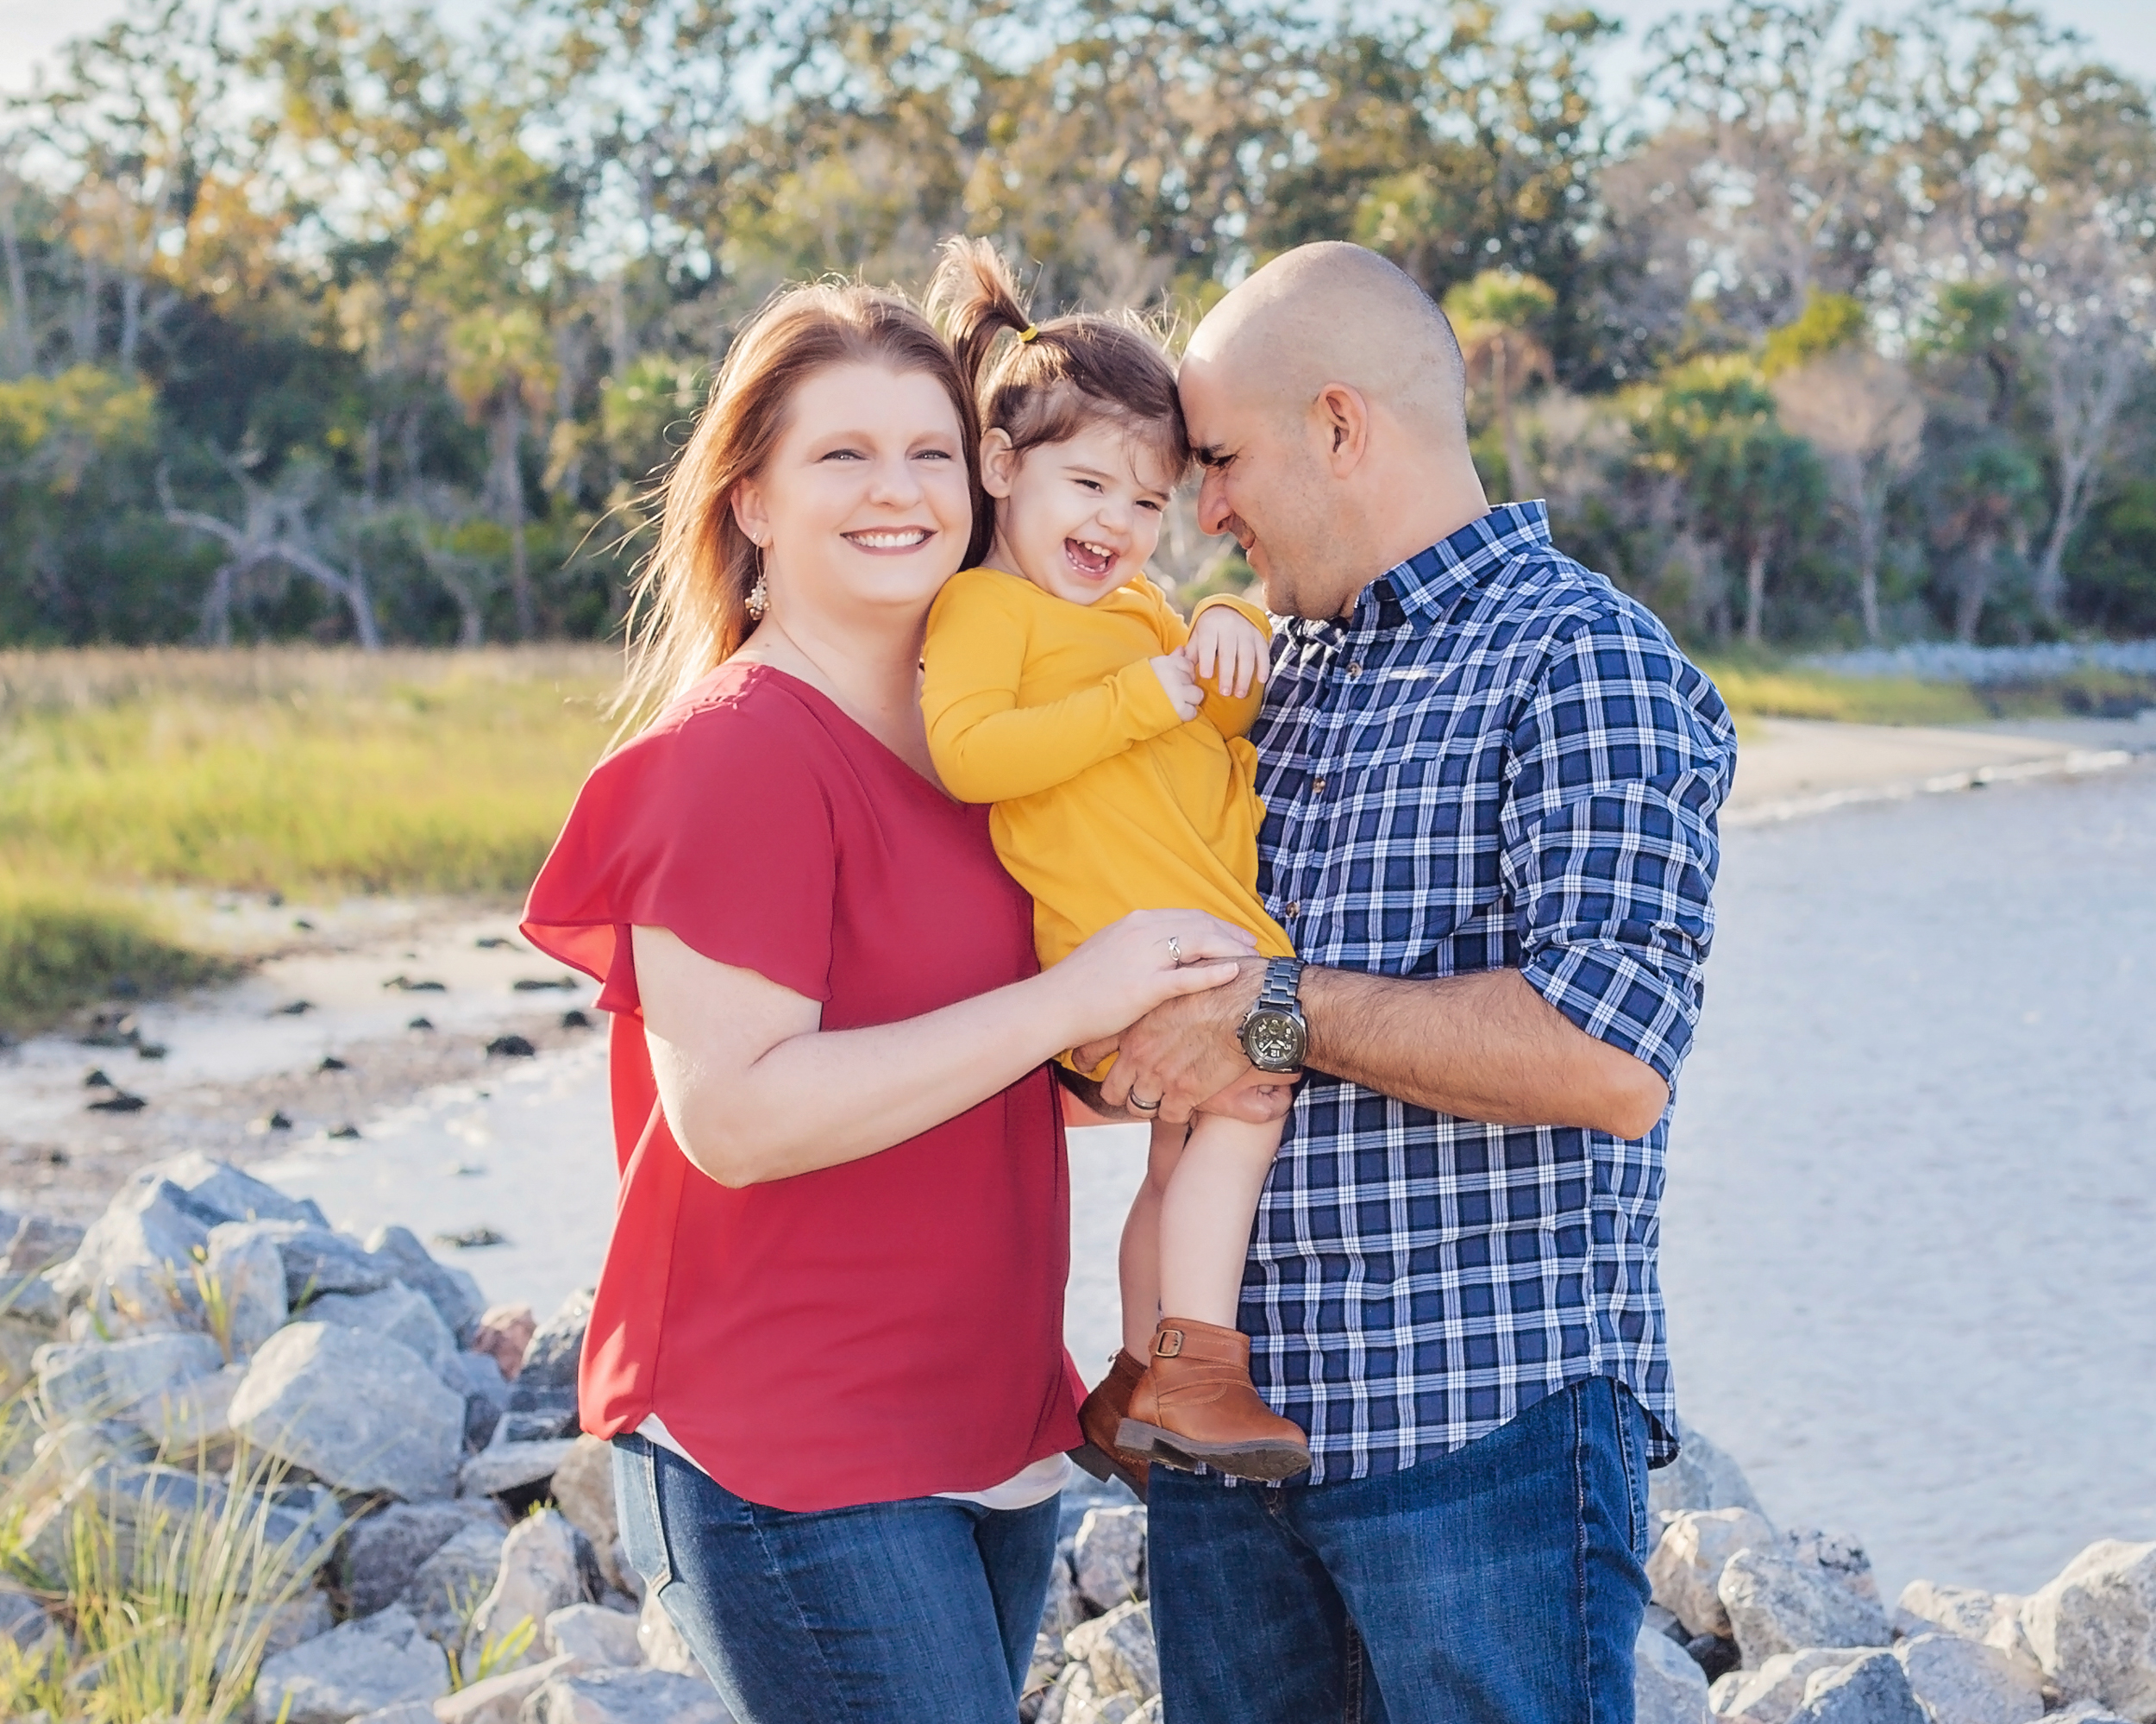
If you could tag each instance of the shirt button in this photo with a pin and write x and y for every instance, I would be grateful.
(1317, 786)
(1295, 909)
(1356, 667)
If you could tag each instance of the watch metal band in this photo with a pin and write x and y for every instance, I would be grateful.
(1278, 991)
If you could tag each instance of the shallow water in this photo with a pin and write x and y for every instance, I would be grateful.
(1909, 1244)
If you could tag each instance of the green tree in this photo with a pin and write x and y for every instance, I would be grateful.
(1494, 316)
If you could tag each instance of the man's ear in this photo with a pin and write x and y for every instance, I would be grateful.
(999, 463)
(1342, 417)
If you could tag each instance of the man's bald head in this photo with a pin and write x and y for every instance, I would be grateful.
(1326, 400)
(1338, 313)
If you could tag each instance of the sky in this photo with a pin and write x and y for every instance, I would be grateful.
(2125, 30)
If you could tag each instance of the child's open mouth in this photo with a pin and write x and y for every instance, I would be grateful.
(1090, 560)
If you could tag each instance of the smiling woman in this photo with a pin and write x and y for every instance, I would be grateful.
(827, 1341)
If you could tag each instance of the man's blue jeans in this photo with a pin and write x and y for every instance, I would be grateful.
(1502, 1583)
(920, 1609)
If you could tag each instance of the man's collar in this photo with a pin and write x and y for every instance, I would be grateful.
(1430, 582)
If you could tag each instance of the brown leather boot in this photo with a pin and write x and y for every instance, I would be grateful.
(1101, 1417)
(1195, 1404)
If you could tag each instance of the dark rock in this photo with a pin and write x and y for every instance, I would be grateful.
(404, 984)
(346, 1131)
(495, 943)
(381, 1553)
(278, 1120)
(471, 1238)
(575, 1019)
(481, 1419)
(526, 984)
(543, 1400)
(295, 1008)
(119, 1102)
(149, 1050)
(420, 1024)
(1712, 1654)
(302, 925)
(96, 1079)
(331, 1062)
(511, 1047)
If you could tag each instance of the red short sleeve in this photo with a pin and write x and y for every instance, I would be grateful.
(711, 825)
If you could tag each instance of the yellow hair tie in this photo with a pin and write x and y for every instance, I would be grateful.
(1028, 332)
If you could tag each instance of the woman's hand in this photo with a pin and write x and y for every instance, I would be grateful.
(1228, 649)
(1130, 967)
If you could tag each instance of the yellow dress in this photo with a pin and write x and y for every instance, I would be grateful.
(1104, 801)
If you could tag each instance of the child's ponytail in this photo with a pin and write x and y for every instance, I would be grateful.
(1057, 377)
(974, 295)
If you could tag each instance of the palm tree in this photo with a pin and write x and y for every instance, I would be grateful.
(500, 362)
(1494, 316)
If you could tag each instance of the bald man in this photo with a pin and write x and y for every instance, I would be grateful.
(1491, 783)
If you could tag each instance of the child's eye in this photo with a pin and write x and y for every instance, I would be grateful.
(1147, 503)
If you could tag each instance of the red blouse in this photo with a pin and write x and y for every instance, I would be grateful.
(887, 1328)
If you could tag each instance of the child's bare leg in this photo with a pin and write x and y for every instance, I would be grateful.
(1207, 1207)
(1138, 1263)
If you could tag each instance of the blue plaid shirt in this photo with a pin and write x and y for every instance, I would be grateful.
(1497, 759)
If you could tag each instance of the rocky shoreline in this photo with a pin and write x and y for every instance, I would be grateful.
(427, 1539)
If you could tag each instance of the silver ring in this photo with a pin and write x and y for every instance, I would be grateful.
(1146, 1106)
(1174, 951)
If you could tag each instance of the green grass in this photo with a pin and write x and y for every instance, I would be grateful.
(280, 770)
(1763, 689)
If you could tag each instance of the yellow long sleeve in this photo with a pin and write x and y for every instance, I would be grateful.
(987, 747)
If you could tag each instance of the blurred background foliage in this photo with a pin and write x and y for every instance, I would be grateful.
(327, 323)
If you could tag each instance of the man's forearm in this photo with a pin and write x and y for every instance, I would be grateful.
(1485, 1047)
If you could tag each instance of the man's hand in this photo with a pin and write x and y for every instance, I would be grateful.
(1186, 1053)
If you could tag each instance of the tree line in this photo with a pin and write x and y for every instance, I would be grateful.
(330, 322)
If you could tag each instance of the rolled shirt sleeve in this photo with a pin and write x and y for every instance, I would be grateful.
(1616, 769)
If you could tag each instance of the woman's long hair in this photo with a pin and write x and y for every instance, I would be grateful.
(689, 609)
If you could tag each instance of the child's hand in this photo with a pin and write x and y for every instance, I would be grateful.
(1228, 649)
(1179, 679)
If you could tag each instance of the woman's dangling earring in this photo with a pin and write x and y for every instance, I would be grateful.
(759, 595)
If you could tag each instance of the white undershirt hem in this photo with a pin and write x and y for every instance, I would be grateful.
(1025, 1488)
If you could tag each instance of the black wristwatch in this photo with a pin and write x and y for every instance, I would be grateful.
(1274, 1038)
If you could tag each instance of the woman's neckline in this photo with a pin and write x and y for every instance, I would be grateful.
(762, 668)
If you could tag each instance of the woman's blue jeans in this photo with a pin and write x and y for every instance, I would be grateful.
(924, 1609)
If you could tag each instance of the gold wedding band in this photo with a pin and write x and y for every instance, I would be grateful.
(1147, 1106)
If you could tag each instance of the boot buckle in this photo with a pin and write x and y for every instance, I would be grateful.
(1168, 1344)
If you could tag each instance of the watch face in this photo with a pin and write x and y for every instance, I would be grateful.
(1273, 1041)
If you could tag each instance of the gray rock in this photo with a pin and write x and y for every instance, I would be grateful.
(261, 1632)
(23, 1623)
(33, 1302)
(511, 1466)
(1772, 1693)
(318, 1261)
(396, 1314)
(19, 1343)
(192, 1418)
(1779, 1603)
(1960, 1681)
(2086, 1712)
(360, 1667)
(603, 1638)
(1701, 1477)
(1108, 1560)
(1064, 1609)
(450, 1584)
(499, 1699)
(70, 1450)
(479, 1375)
(1874, 1689)
(382, 1552)
(542, 1399)
(1048, 1662)
(249, 1271)
(405, 1712)
(1118, 1649)
(126, 1501)
(539, 1575)
(36, 1244)
(359, 1413)
(626, 1698)
(454, 1292)
(1074, 1698)
(113, 1379)
(132, 1264)
(584, 1491)
(2093, 1628)
(1963, 1610)
(1695, 1545)
(660, 1642)
(1667, 1687)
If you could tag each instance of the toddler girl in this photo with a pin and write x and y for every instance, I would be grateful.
(1061, 686)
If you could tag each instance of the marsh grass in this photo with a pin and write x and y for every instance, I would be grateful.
(1760, 688)
(165, 1615)
(279, 769)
